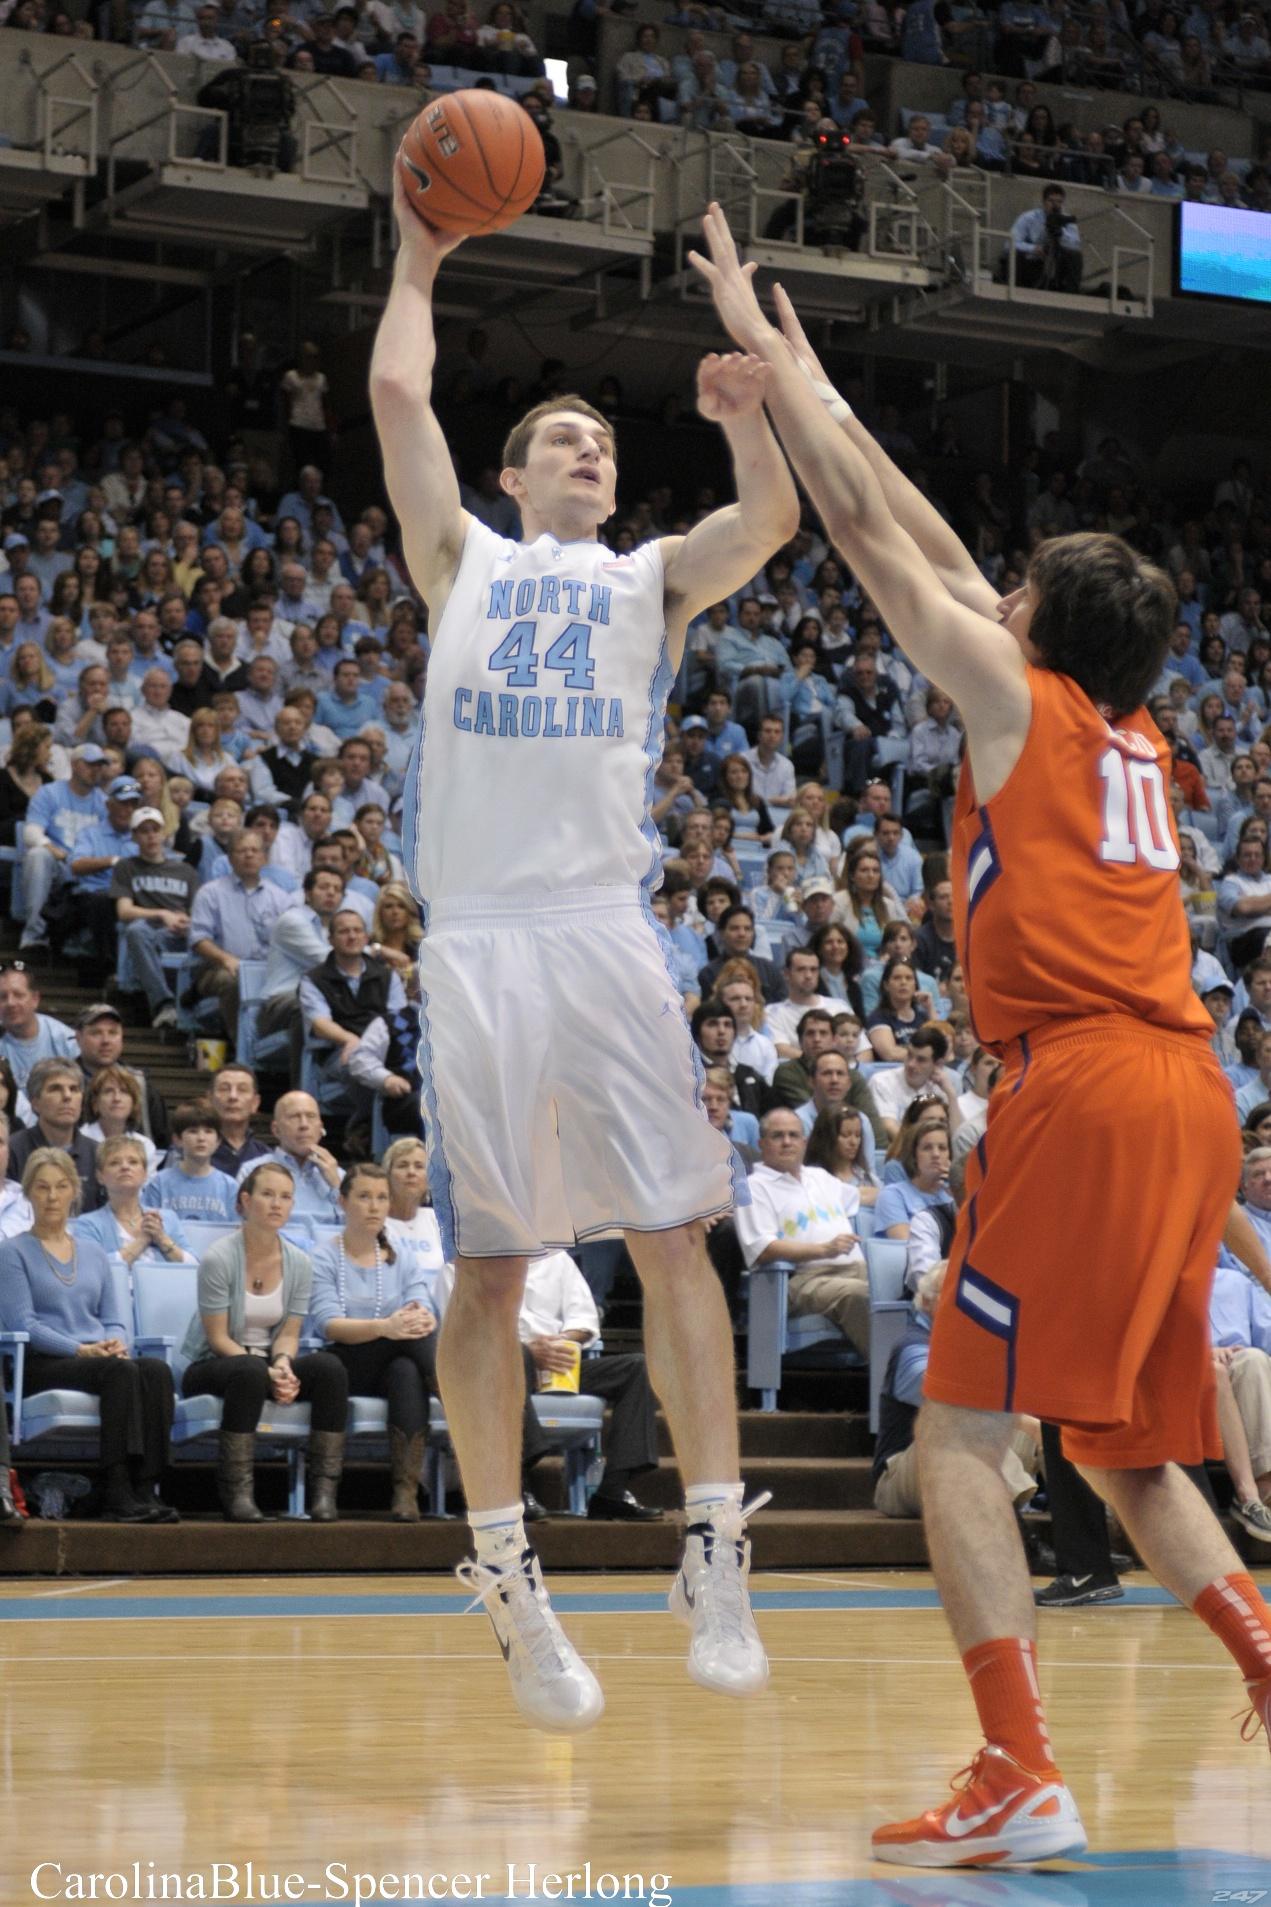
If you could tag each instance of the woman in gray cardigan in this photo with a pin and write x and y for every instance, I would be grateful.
(243, 1346)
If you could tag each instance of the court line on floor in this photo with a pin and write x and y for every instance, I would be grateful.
(368, 1607)
(435, 1657)
(83, 1589)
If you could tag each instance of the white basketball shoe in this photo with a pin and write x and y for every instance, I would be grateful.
(711, 1595)
(552, 1685)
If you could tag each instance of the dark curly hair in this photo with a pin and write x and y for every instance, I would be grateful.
(1104, 616)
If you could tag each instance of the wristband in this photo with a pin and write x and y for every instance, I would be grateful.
(838, 407)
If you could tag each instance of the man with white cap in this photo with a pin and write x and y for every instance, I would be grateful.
(153, 893)
(56, 817)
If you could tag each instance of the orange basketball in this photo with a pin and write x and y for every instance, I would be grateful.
(472, 162)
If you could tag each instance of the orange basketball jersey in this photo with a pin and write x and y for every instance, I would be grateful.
(1065, 884)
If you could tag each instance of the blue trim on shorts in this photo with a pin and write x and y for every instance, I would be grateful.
(1027, 1054)
(660, 683)
(440, 1180)
(984, 1302)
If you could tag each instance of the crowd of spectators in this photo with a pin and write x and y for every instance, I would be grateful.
(210, 678)
(793, 71)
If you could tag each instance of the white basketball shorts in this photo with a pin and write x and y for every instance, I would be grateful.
(561, 1083)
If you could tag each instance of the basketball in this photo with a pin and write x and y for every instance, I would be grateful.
(472, 162)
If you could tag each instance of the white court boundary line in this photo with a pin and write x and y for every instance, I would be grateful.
(80, 1589)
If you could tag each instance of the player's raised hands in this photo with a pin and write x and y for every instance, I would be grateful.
(731, 386)
(418, 238)
(730, 285)
(795, 336)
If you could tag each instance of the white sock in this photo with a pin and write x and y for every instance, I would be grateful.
(499, 1535)
(705, 1502)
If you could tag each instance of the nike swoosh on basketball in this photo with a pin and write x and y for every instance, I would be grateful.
(959, 1824)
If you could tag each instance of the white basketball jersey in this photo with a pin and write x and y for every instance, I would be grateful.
(542, 723)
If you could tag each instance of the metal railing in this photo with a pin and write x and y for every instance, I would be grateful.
(320, 137)
(623, 208)
(65, 124)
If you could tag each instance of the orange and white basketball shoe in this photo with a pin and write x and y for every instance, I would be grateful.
(1001, 1815)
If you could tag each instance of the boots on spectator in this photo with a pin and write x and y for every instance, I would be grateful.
(235, 1476)
(408, 1461)
(326, 1462)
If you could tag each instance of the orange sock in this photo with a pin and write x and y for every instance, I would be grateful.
(1235, 1611)
(1003, 1678)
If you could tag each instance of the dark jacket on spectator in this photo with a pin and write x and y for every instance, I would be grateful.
(354, 1011)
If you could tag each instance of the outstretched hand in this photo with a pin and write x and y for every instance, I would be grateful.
(795, 336)
(730, 387)
(731, 287)
(418, 238)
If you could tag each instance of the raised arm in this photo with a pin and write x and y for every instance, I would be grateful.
(977, 661)
(417, 468)
(723, 552)
(945, 551)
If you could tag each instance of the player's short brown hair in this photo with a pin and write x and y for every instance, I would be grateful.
(1104, 616)
(516, 448)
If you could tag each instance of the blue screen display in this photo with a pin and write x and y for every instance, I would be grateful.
(1224, 253)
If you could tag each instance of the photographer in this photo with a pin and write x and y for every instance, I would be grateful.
(1048, 245)
(829, 176)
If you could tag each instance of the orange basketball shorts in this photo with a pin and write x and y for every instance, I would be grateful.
(1079, 1279)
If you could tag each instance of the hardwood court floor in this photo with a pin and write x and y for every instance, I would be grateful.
(295, 1723)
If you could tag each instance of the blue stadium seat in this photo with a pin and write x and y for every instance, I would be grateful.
(889, 1311)
(251, 1050)
(203, 1233)
(772, 1335)
(573, 1424)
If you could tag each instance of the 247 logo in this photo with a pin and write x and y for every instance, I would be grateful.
(1251, 1895)
(447, 144)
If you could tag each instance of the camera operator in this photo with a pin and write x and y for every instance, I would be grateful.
(828, 174)
(1048, 245)
(553, 201)
(259, 102)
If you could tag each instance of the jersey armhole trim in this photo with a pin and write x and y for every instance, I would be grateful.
(1032, 675)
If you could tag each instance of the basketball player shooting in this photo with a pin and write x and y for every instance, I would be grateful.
(1069, 1296)
(559, 1074)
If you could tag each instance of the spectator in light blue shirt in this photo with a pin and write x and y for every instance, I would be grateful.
(28, 1035)
(349, 706)
(56, 816)
(305, 498)
(752, 666)
(724, 736)
(192, 1186)
(398, 67)
(298, 1131)
(126, 1227)
(923, 1153)
(902, 863)
(923, 42)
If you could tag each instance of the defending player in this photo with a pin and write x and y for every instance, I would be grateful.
(1068, 1296)
(560, 1078)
